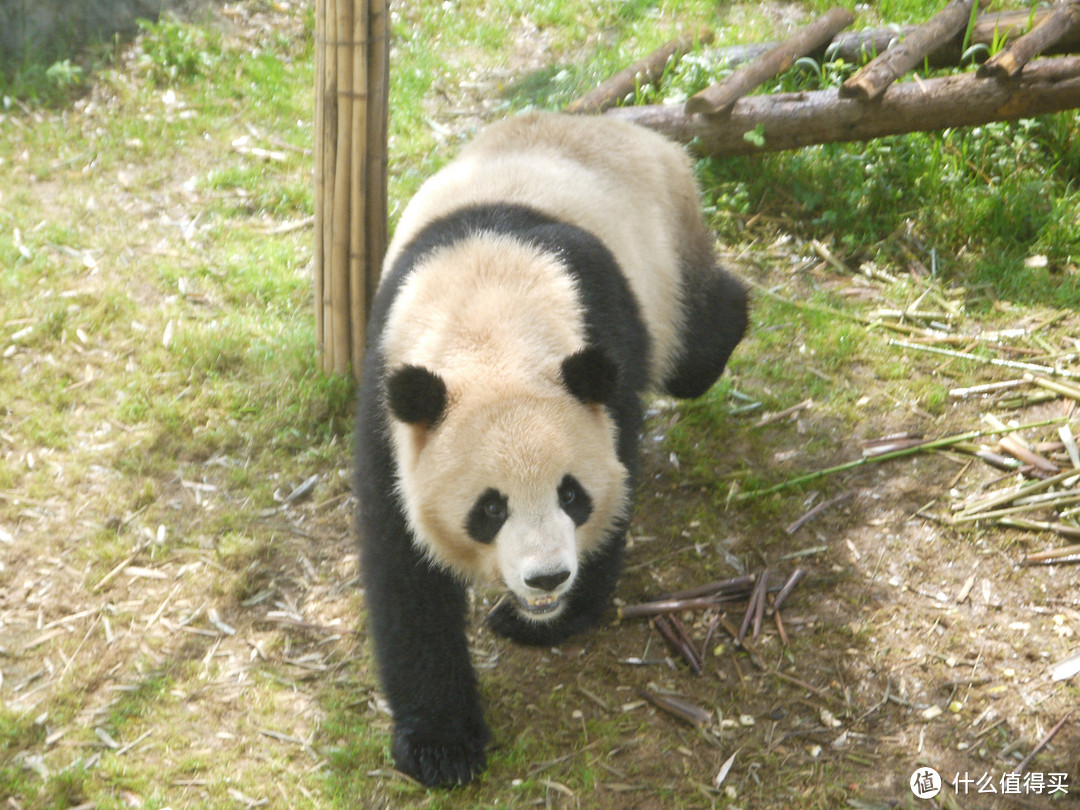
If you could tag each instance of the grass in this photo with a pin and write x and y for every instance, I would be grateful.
(162, 398)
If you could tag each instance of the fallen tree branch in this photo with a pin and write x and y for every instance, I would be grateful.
(795, 120)
(644, 71)
(1054, 27)
(719, 98)
(859, 46)
(870, 82)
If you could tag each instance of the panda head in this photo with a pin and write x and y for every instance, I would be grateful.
(510, 482)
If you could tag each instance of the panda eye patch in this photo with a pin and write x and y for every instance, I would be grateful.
(487, 516)
(574, 500)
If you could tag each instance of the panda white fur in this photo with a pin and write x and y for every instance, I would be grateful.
(534, 289)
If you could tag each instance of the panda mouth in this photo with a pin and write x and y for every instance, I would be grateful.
(541, 606)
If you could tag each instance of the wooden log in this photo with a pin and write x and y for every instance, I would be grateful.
(718, 99)
(861, 46)
(1007, 63)
(644, 71)
(870, 82)
(795, 120)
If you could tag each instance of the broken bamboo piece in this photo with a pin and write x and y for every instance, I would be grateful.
(719, 98)
(1041, 744)
(671, 605)
(626, 81)
(1054, 27)
(796, 577)
(677, 707)
(795, 120)
(871, 81)
(797, 524)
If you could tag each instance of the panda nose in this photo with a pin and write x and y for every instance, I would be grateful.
(547, 582)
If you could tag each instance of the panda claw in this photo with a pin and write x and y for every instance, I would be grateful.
(436, 764)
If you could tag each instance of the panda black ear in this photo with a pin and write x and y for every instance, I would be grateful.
(591, 376)
(416, 396)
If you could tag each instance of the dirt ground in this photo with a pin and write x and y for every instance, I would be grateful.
(224, 662)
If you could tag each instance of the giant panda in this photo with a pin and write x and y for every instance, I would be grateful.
(534, 289)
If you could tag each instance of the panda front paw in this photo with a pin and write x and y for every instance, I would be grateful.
(436, 761)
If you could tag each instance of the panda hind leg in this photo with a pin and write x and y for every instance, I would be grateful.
(586, 602)
(715, 312)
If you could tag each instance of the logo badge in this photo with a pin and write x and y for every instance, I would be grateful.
(925, 783)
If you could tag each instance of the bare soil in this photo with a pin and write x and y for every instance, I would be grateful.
(124, 607)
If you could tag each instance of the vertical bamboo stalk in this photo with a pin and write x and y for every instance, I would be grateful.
(351, 96)
(339, 237)
(317, 265)
(378, 120)
(358, 181)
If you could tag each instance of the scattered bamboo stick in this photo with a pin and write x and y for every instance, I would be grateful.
(795, 525)
(1000, 499)
(1058, 386)
(735, 584)
(644, 71)
(874, 79)
(693, 658)
(993, 361)
(755, 608)
(677, 641)
(1054, 555)
(780, 628)
(678, 707)
(1007, 63)
(796, 577)
(934, 444)
(719, 98)
(769, 418)
(1025, 454)
(671, 605)
(1041, 744)
(1014, 510)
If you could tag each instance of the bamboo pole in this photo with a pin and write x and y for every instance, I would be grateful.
(320, 172)
(357, 135)
(351, 98)
(339, 233)
(378, 121)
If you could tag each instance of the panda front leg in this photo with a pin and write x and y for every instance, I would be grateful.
(585, 603)
(417, 621)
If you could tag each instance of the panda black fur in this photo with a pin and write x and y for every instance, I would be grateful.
(534, 289)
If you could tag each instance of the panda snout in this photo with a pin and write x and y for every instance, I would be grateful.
(547, 581)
